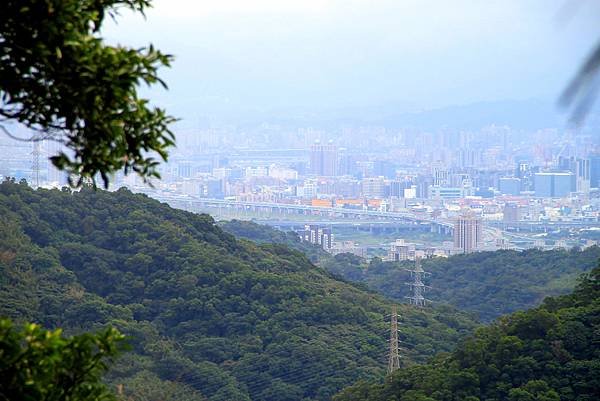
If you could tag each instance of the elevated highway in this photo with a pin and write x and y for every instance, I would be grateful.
(198, 204)
(281, 212)
(542, 226)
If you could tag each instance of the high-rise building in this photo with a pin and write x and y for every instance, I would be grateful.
(467, 158)
(440, 174)
(323, 159)
(347, 164)
(184, 169)
(509, 185)
(523, 168)
(373, 187)
(222, 173)
(318, 235)
(384, 168)
(326, 238)
(582, 175)
(400, 250)
(553, 184)
(580, 168)
(457, 179)
(214, 188)
(282, 173)
(468, 233)
(258, 171)
(364, 168)
(347, 188)
(465, 189)
(595, 171)
(309, 190)
(397, 188)
(566, 163)
(423, 183)
(511, 212)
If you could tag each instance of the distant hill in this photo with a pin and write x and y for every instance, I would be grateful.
(263, 234)
(524, 114)
(549, 353)
(528, 114)
(489, 284)
(210, 317)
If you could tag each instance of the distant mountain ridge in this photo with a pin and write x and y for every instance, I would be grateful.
(531, 114)
(524, 114)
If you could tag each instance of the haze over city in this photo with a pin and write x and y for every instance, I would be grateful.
(335, 200)
(290, 58)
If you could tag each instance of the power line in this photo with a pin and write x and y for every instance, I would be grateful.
(306, 372)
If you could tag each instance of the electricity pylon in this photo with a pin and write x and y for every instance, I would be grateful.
(35, 163)
(394, 357)
(417, 286)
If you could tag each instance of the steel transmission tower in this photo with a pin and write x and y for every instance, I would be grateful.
(394, 361)
(35, 163)
(417, 286)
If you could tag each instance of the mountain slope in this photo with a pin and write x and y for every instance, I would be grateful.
(210, 316)
(549, 353)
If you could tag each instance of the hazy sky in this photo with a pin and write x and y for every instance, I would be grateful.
(317, 55)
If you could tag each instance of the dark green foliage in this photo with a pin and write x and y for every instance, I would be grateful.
(546, 354)
(489, 284)
(59, 78)
(146, 386)
(208, 314)
(36, 364)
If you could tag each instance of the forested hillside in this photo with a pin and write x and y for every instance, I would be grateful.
(546, 354)
(489, 284)
(209, 316)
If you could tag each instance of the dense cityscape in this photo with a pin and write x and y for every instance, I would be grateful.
(315, 200)
(426, 194)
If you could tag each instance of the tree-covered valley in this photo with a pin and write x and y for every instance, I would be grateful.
(302, 112)
(208, 316)
(488, 284)
(549, 353)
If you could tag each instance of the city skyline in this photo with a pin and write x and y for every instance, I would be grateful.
(410, 145)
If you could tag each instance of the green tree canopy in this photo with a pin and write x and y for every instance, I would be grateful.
(36, 364)
(549, 353)
(210, 316)
(59, 79)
